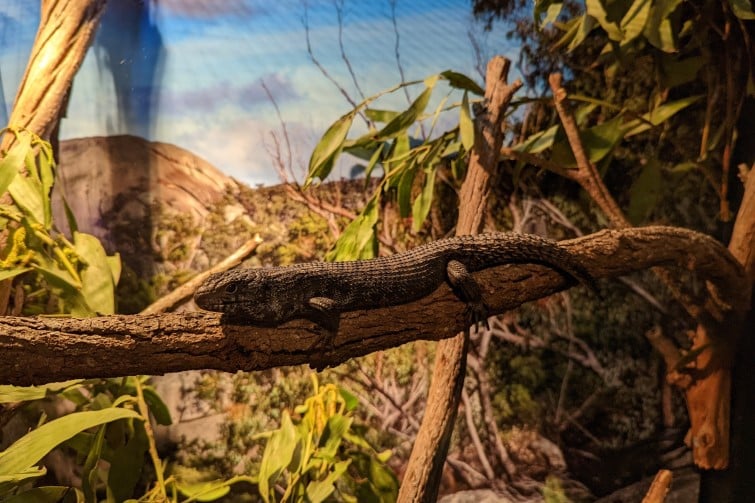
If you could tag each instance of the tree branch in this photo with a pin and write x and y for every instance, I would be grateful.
(41, 350)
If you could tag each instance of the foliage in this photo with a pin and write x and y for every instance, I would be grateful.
(402, 157)
(320, 453)
(79, 273)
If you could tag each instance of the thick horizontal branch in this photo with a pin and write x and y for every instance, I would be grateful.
(40, 350)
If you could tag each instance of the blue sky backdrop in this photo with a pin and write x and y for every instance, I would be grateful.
(189, 72)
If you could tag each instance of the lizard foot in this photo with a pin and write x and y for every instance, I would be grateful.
(476, 313)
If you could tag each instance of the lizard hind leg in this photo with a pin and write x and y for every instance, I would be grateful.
(468, 291)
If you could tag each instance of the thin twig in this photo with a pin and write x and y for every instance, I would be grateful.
(186, 290)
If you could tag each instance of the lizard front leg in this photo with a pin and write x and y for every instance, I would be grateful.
(326, 315)
(468, 291)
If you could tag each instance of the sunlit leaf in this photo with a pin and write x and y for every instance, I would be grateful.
(358, 239)
(466, 126)
(383, 116)
(633, 22)
(539, 141)
(97, 286)
(10, 394)
(278, 454)
(461, 81)
(327, 150)
(28, 195)
(11, 164)
(399, 124)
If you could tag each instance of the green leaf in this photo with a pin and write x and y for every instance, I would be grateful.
(97, 285)
(633, 22)
(401, 122)
(12, 273)
(278, 454)
(127, 463)
(156, 405)
(644, 193)
(46, 494)
(27, 194)
(327, 150)
(115, 265)
(597, 11)
(539, 141)
(659, 29)
(12, 481)
(658, 115)
(600, 140)
(552, 12)
(204, 491)
(405, 189)
(466, 126)
(89, 473)
(332, 435)
(11, 394)
(584, 27)
(460, 81)
(11, 164)
(45, 165)
(350, 399)
(70, 289)
(383, 116)
(29, 449)
(675, 72)
(372, 163)
(319, 490)
(423, 202)
(358, 240)
(742, 9)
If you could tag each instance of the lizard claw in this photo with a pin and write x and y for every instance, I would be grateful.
(476, 313)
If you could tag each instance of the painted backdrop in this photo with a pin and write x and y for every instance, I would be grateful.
(191, 72)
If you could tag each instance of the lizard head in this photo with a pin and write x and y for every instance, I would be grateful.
(244, 296)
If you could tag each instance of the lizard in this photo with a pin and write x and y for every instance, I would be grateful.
(321, 291)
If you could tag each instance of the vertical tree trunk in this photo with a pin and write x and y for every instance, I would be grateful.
(66, 29)
(423, 473)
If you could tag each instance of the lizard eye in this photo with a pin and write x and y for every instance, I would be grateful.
(231, 287)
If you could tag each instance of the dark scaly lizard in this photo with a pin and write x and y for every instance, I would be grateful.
(321, 291)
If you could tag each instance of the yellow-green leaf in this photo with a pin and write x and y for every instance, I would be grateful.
(97, 284)
(10, 394)
(327, 150)
(423, 203)
(32, 447)
(11, 164)
(466, 126)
